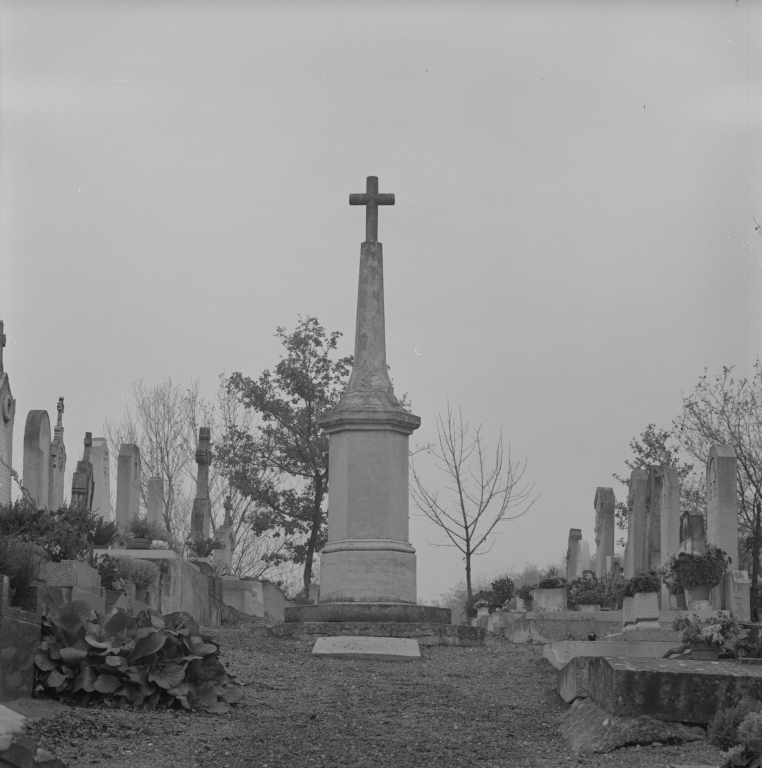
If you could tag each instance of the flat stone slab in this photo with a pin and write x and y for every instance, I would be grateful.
(425, 633)
(379, 648)
(380, 612)
(587, 727)
(644, 636)
(685, 691)
(561, 653)
(553, 628)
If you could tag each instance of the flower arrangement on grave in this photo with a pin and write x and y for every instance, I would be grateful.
(641, 583)
(142, 528)
(720, 630)
(154, 660)
(525, 591)
(688, 570)
(201, 546)
(587, 591)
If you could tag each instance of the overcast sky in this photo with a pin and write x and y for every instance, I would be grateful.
(572, 243)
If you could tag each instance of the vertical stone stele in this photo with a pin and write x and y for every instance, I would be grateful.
(99, 458)
(572, 554)
(201, 515)
(368, 566)
(605, 504)
(7, 417)
(635, 550)
(127, 484)
(670, 525)
(57, 461)
(83, 484)
(155, 501)
(36, 476)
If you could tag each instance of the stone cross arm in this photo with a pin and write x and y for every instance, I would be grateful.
(371, 199)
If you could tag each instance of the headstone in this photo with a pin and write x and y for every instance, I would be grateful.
(201, 516)
(155, 501)
(99, 458)
(692, 533)
(82, 484)
(653, 518)
(368, 557)
(572, 553)
(635, 553)
(670, 524)
(127, 484)
(57, 461)
(722, 500)
(583, 557)
(37, 457)
(605, 523)
(7, 417)
(225, 534)
(380, 648)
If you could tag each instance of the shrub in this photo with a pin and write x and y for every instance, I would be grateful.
(587, 591)
(203, 547)
(525, 591)
(723, 730)
(640, 583)
(18, 561)
(502, 590)
(142, 573)
(101, 532)
(143, 528)
(21, 751)
(551, 582)
(152, 660)
(686, 570)
(750, 731)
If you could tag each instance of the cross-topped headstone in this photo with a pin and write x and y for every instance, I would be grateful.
(2, 344)
(371, 200)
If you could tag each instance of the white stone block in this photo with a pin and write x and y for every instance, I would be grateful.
(380, 648)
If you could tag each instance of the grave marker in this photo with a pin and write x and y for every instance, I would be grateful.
(201, 516)
(37, 457)
(99, 458)
(635, 551)
(572, 553)
(8, 408)
(57, 461)
(155, 501)
(82, 484)
(670, 524)
(653, 518)
(605, 504)
(127, 484)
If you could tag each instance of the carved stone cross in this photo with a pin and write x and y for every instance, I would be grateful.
(2, 344)
(371, 200)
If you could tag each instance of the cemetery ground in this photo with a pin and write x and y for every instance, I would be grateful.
(495, 705)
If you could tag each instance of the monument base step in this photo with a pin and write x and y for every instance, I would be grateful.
(426, 633)
(674, 690)
(561, 653)
(400, 612)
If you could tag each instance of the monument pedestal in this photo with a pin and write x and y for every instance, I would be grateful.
(368, 612)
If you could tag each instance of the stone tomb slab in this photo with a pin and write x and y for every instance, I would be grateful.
(685, 691)
(378, 648)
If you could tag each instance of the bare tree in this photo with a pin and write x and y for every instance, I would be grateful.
(482, 491)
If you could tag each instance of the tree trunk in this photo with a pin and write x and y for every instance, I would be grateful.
(317, 514)
(469, 593)
(755, 549)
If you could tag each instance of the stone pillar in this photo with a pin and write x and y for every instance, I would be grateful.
(225, 534)
(692, 533)
(99, 458)
(605, 523)
(7, 417)
(57, 461)
(368, 557)
(635, 554)
(583, 557)
(201, 516)
(572, 553)
(127, 484)
(37, 457)
(653, 518)
(82, 484)
(670, 525)
(155, 501)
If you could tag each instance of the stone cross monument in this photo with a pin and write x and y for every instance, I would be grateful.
(368, 566)
(201, 516)
(8, 408)
(57, 461)
(83, 484)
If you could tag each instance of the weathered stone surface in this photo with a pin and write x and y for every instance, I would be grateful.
(572, 553)
(572, 677)
(562, 652)
(127, 484)
(670, 524)
(605, 504)
(82, 483)
(244, 596)
(590, 728)
(201, 515)
(57, 461)
(99, 458)
(641, 612)
(343, 612)
(683, 691)
(155, 501)
(635, 552)
(7, 418)
(549, 600)
(563, 625)
(71, 573)
(359, 647)
(182, 587)
(37, 457)
(424, 633)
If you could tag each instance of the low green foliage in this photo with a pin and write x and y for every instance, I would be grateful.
(587, 591)
(103, 533)
(143, 528)
(502, 590)
(641, 583)
(552, 582)
(151, 660)
(117, 572)
(18, 561)
(723, 730)
(203, 547)
(686, 570)
(23, 752)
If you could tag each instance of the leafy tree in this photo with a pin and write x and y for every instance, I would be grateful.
(481, 492)
(281, 466)
(726, 410)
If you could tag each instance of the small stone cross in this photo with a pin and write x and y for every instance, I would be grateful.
(371, 200)
(2, 344)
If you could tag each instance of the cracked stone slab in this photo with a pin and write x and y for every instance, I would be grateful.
(380, 648)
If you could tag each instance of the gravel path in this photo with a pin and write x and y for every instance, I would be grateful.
(491, 706)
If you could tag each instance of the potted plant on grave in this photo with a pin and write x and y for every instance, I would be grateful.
(525, 593)
(587, 594)
(102, 533)
(113, 576)
(142, 532)
(143, 574)
(708, 638)
(696, 572)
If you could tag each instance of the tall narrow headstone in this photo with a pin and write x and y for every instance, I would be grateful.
(99, 458)
(653, 517)
(670, 523)
(57, 461)
(604, 503)
(37, 457)
(692, 533)
(572, 553)
(127, 484)
(225, 534)
(201, 516)
(583, 558)
(8, 416)
(635, 553)
(155, 500)
(82, 484)
(722, 500)
(368, 557)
